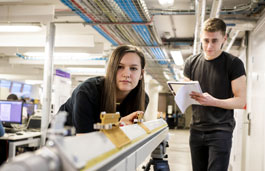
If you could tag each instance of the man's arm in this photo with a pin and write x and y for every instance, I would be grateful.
(236, 102)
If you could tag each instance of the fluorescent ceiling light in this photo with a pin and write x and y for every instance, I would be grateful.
(11, 0)
(166, 3)
(63, 55)
(86, 71)
(33, 82)
(20, 28)
(177, 57)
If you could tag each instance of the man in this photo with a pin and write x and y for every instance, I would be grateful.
(223, 81)
(12, 97)
(2, 131)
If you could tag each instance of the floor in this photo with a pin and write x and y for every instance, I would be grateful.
(178, 151)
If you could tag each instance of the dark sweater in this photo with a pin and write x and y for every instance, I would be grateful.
(84, 105)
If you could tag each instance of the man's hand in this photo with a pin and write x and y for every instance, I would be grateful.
(204, 99)
(128, 120)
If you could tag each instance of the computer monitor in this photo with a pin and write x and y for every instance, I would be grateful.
(16, 87)
(26, 90)
(30, 108)
(11, 112)
(5, 83)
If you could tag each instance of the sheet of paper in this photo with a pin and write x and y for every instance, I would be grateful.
(181, 90)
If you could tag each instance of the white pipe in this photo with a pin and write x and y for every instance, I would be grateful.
(197, 11)
(203, 9)
(233, 38)
(216, 8)
(47, 76)
(260, 24)
(200, 14)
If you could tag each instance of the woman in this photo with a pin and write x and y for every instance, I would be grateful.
(121, 90)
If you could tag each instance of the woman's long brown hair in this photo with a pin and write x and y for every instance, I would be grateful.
(136, 96)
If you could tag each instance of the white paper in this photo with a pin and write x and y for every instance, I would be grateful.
(182, 91)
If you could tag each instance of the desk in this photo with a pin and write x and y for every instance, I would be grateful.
(30, 138)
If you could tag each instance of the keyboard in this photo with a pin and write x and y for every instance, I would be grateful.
(11, 130)
(32, 130)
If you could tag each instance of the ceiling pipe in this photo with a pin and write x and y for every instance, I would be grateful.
(260, 24)
(108, 23)
(173, 26)
(200, 14)
(242, 9)
(129, 21)
(230, 41)
(145, 34)
(86, 17)
(216, 8)
(236, 26)
(93, 19)
(241, 25)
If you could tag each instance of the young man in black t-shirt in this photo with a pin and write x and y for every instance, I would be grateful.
(223, 82)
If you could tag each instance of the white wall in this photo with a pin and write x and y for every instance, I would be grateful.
(35, 91)
(4, 92)
(254, 145)
(61, 91)
(237, 144)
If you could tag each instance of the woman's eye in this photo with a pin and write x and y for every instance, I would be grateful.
(134, 69)
(120, 67)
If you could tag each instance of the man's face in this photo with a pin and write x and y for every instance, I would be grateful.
(212, 43)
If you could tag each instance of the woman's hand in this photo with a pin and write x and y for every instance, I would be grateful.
(128, 120)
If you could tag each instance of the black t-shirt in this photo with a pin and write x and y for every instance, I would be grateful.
(84, 105)
(215, 77)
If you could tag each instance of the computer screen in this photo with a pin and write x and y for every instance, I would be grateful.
(26, 90)
(5, 83)
(30, 108)
(11, 111)
(16, 87)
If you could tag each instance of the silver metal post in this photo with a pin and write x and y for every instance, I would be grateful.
(47, 76)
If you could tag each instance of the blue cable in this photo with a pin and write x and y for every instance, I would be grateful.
(143, 29)
(105, 35)
(158, 56)
(131, 16)
(88, 20)
(162, 54)
(135, 17)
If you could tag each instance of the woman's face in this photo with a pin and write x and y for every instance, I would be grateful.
(129, 72)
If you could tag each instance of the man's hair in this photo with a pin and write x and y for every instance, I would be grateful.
(12, 97)
(214, 25)
(136, 96)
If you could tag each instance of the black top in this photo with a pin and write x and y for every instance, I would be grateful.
(84, 105)
(215, 77)
(2, 131)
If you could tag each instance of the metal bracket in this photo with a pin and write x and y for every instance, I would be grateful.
(139, 120)
(110, 127)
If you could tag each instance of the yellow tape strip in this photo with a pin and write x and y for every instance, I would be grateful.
(117, 136)
(106, 155)
(145, 128)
